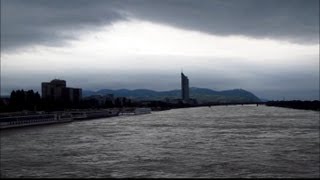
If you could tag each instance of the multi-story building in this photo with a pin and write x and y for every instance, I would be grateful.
(184, 87)
(72, 94)
(56, 90)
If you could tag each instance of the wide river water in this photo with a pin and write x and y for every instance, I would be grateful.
(221, 141)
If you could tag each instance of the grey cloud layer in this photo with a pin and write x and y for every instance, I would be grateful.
(293, 20)
(46, 22)
(50, 22)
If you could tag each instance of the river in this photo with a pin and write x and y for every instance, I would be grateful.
(217, 142)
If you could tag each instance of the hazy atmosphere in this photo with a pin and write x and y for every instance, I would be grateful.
(270, 48)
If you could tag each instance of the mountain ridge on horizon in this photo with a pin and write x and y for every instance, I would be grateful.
(201, 94)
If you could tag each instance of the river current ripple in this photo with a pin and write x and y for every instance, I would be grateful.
(221, 141)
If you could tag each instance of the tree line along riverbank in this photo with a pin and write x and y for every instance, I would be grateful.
(296, 104)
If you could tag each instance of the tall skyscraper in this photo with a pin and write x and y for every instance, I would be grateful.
(184, 87)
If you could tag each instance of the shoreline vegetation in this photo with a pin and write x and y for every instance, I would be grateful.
(296, 104)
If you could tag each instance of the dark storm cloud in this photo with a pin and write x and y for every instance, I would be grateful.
(51, 22)
(42, 21)
(293, 20)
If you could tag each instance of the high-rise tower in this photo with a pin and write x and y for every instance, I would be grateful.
(184, 87)
(56, 90)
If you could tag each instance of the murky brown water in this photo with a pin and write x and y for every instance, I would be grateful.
(221, 141)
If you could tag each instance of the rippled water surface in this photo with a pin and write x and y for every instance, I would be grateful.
(221, 141)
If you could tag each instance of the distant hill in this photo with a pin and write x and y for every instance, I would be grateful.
(201, 94)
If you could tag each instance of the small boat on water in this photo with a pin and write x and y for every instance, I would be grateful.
(142, 111)
(94, 114)
(135, 111)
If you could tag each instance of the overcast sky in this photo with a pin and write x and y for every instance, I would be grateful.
(268, 47)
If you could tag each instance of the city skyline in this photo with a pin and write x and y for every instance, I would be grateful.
(269, 48)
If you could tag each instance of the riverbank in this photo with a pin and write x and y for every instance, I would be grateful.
(305, 105)
(22, 119)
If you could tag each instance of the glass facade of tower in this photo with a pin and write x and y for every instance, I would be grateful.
(184, 87)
